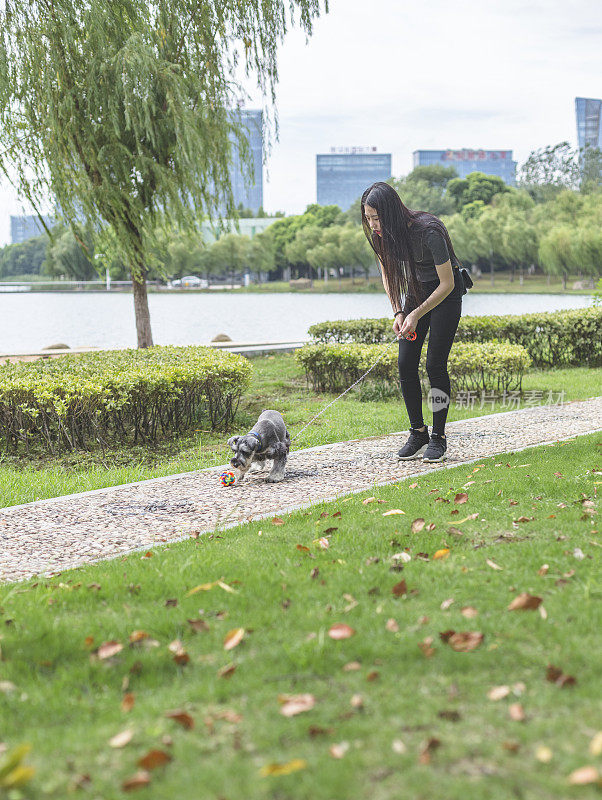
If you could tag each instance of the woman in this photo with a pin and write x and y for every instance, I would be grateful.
(417, 260)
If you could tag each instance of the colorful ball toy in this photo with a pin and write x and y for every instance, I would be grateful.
(227, 478)
(412, 336)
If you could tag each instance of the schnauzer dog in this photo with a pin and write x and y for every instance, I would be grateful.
(268, 441)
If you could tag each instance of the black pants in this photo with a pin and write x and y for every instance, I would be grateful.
(443, 321)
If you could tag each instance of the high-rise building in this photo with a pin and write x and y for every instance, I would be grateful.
(28, 225)
(345, 172)
(251, 196)
(589, 128)
(491, 162)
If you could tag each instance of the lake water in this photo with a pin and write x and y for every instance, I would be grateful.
(32, 321)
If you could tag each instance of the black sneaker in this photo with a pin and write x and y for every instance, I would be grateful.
(436, 448)
(416, 444)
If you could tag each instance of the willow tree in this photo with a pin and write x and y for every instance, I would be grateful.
(124, 111)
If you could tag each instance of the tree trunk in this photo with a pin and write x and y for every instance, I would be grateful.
(564, 281)
(141, 312)
(491, 269)
(512, 273)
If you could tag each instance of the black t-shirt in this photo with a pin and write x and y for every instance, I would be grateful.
(429, 248)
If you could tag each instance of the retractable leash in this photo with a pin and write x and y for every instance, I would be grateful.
(411, 338)
(228, 478)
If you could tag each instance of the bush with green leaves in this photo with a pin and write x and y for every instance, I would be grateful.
(572, 337)
(473, 366)
(75, 401)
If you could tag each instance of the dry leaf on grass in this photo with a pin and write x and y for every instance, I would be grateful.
(470, 612)
(498, 692)
(557, 676)
(341, 631)
(154, 759)
(584, 776)
(595, 746)
(338, 750)
(427, 749)
(461, 497)
(233, 638)
(393, 512)
(121, 739)
(283, 769)
(417, 525)
(465, 641)
(443, 553)
(137, 781)
(392, 626)
(525, 602)
(109, 649)
(516, 712)
(296, 704)
(492, 564)
(543, 754)
(127, 702)
(183, 718)
(400, 589)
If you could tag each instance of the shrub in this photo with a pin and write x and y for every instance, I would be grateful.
(553, 338)
(472, 366)
(74, 401)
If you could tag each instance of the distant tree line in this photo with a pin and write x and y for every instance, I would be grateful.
(551, 221)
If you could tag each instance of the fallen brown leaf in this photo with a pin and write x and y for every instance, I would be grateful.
(227, 671)
(127, 702)
(296, 704)
(400, 589)
(277, 521)
(233, 638)
(498, 692)
(525, 602)
(492, 564)
(461, 497)
(338, 750)
(469, 612)
(183, 718)
(584, 776)
(340, 631)
(466, 641)
(392, 626)
(136, 781)
(109, 649)
(426, 647)
(417, 525)
(444, 553)
(516, 712)
(121, 739)
(427, 749)
(154, 759)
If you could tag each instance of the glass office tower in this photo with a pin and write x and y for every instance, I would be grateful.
(250, 196)
(589, 130)
(344, 173)
(491, 162)
(27, 226)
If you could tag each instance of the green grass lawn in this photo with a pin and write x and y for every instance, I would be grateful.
(277, 383)
(409, 714)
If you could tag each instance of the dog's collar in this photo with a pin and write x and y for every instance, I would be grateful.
(257, 436)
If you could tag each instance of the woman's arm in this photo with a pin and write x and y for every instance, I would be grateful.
(446, 286)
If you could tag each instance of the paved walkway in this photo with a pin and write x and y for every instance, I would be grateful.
(52, 535)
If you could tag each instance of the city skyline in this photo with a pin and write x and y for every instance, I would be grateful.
(487, 76)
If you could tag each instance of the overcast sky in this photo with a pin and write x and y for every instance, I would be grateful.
(495, 75)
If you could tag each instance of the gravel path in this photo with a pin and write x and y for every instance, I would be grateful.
(49, 536)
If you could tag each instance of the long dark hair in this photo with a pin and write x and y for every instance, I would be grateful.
(393, 244)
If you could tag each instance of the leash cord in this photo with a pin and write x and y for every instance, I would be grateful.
(332, 402)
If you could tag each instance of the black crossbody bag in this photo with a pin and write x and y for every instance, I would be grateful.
(466, 280)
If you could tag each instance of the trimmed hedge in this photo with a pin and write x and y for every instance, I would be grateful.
(553, 338)
(472, 366)
(74, 401)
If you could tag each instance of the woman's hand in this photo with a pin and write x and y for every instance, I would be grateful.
(397, 323)
(409, 324)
